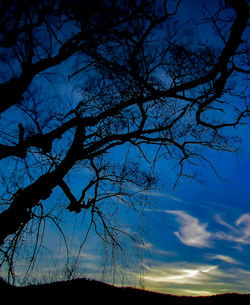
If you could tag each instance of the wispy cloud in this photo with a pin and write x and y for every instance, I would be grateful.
(195, 279)
(219, 220)
(165, 195)
(224, 258)
(192, 232)
(148, 246)
(239, 233)
(186, 275)
(195, 234)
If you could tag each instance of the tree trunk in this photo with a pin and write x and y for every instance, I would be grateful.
(20, 211)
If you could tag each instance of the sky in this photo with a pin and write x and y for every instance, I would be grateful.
(206, 241)
(195, 240)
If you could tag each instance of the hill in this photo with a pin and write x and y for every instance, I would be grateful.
(82, 289)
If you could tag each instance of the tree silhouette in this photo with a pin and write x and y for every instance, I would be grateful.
(141, 83)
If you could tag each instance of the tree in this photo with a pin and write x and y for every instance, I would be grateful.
(141, 84)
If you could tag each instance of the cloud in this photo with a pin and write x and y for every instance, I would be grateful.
(240, 233)
(192, 232)
(224, 258)
(181, 272)
(182, 275)
(159, 194)
(218, 219)
(245, 229)
(194, 278)
(195, 234)
(146, 245)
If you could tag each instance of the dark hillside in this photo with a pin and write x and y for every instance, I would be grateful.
(81, 289)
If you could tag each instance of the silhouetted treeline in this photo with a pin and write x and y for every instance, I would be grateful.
(84, 288)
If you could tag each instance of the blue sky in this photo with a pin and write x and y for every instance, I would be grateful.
(201, 232)
(195, 240)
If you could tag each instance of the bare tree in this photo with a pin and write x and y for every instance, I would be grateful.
(141, 84)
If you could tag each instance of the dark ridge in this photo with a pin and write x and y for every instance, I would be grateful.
(82, 289)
